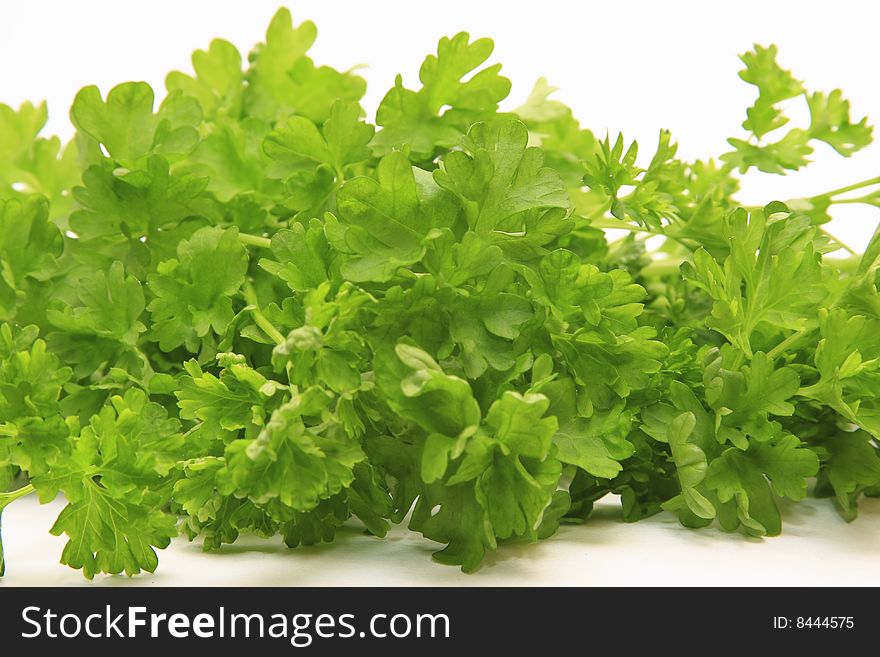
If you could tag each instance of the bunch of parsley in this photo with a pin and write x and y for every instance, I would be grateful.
(251, 310)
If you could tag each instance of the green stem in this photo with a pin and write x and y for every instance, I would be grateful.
(255, 240)
(612, 243)
(785, 344)
(665, 267)
(8, 498)
(848, 188)
(620, 225)
(613, 224)
(5, 500)
(843, 245)
(250, 297)
(847, 265)
(871, 199)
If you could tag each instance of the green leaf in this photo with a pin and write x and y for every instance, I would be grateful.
(690, 463)
(517, 497)
(131, 216)
(847, 358)
(341, 141)
(774, 83)
(853, 466)
(772, 278)
(830, 122)
(417, 388)
(31, 164)
(106, 535)
(29, 243)
(292, 462)
(104, 326)
(597, 444)
(518, 422)
(127, 127)
(282, 80)
(228, 403)
(498, 178)
(461, 522)
(385, 223)
(231, 159)
(193, 293)
(439, 113)
(301, 256)
(216, 518)
(218, 81)
(745, 400)
(740, 477)
(33, 433)
(112, 304)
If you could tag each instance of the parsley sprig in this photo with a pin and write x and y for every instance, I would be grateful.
(246, 309)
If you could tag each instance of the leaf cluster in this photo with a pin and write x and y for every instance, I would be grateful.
(247, 309)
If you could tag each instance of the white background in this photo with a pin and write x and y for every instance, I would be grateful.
(629, 66)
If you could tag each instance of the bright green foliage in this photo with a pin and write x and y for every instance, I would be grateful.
(284, 81)
(341, 142)
(505, 191)
(126, 126)
(33, 433)
(245, 309)
(829, 120)
(294, 463)
(193, 293)
(217, 84)
(230, 402)
(437, 115)
(103, 326)
(385, 223)
(31, 164)
(29, 247)
(114, 479)
(771, 280)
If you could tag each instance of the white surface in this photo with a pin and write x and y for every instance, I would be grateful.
(817, 548)
(630, 66)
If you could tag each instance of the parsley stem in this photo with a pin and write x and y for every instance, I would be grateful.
(848, 188)
(250, 298)
(843, 245)
(614, 224)
(619, 225)
(859, 199)
(8, 498)
(255, 240)
(5, 500)
(785, 344)
(662, 267)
